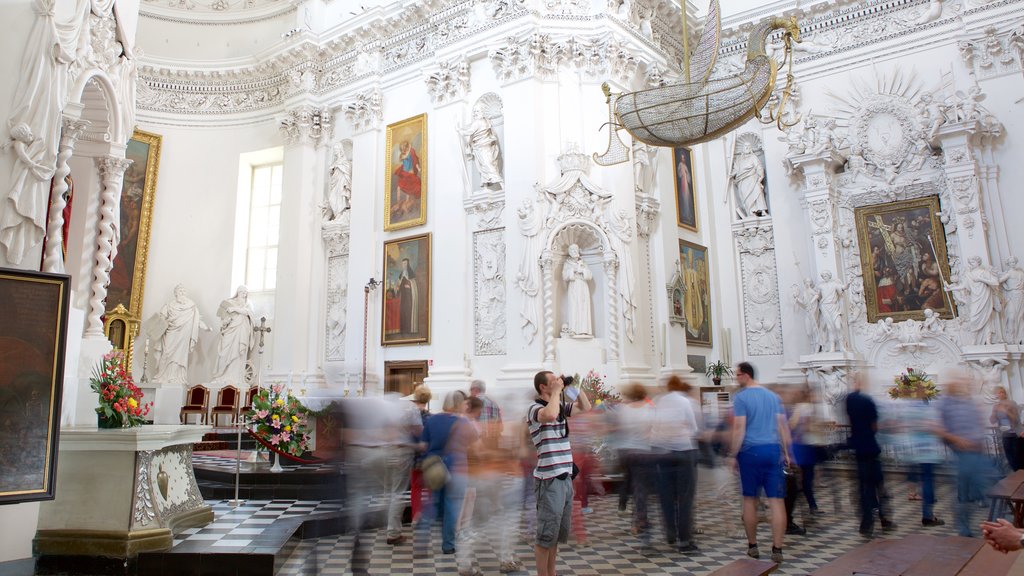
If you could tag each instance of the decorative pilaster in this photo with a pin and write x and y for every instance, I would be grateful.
(762, 314)
(547, 267)
(306, 124)
(111, 170)
(647, 210)
(819, 199)
(611, 268)
(960, 143)
(365, 111)
(336, 239)
(53, 258)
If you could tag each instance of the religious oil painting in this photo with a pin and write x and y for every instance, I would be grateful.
(407, 291)
(128, 277)
(697, 299)
(33, 330)
(686, 206)
(903, 259)
(405, 176)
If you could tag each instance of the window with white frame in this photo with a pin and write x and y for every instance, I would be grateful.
(264, 227)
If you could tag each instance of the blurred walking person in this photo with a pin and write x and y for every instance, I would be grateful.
(674, 443)
(863, 415)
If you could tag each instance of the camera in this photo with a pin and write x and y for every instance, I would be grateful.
(567, 380)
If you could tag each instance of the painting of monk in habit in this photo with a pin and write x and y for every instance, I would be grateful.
(407, 291)
(405, 202)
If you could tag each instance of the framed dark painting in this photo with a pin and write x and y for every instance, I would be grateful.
(686, 205)
(128, 277)
(903, 259)
(697, 298)
(406, 315)
(405, 176)
(33, 332)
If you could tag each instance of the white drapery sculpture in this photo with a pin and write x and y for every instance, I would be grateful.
(1012, 282)
(237, 337)
(980, 286)
(807, 299)
(833, 314)
(577, 276)
(748, 178)
(339, 181)
(176, 335)
(480, 145)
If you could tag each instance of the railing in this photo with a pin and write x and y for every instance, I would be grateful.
(899, 455)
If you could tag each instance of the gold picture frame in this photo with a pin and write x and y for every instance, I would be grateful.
(902, 276)
(682, 181)
(405, 315)
(697, 297)
(405, 174)
(128, 276)
(33, 338)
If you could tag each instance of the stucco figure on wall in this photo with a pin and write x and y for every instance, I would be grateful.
(577, 276)
(480, 145)
(807, 298)
(833, 313)
(990, 370)
(177, 333)
(748, 178)
(979, 288)
(237, 337)
(833, 384)
(645, 167)
(339, 185)
(1012, 282)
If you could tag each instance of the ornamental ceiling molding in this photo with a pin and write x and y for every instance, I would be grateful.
(542, 55)
(994, 52)
(830, 28)
(215, 12)
(388, 45)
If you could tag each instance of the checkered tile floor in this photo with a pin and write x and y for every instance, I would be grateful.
(235, 529)
(613, 550)
(225, 462)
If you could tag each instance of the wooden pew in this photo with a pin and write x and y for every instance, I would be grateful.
(746, 567)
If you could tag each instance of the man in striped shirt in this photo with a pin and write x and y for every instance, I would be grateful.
(549, 429)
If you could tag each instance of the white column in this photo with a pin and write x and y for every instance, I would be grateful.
(297, 314)
(53, 258)
(112, 176)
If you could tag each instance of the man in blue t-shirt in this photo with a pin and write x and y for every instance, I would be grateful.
(760, 441)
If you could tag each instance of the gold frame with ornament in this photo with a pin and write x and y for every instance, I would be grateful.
(406, 130)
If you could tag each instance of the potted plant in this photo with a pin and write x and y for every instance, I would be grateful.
(716, 370)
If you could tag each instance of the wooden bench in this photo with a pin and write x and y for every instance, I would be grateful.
(746, 567)
(921, 555)
(1002, 494)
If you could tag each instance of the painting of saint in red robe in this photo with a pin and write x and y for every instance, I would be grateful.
(405, 203)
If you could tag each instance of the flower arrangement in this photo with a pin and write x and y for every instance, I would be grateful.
(120, 399)
(280, 419)
(908, 383)
(593, 384)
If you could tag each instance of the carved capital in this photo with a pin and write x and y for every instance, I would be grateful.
(306, 125)
(112, 167)
(487, 208)
(448, 81)
(366, 111)
(71, 131)
(336, 239)
(647, 209)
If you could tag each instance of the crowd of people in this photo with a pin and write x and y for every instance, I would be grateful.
(492, 478)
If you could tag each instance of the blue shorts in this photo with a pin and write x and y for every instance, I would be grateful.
(761, 468)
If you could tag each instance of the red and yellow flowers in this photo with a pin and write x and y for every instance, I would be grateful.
(120, 399)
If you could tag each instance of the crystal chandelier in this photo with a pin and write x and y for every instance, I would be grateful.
(699, 109)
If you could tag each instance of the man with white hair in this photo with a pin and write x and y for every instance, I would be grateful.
(491, 412)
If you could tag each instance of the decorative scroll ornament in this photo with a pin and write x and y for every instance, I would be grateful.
(489, 292)
(366, 112)
(449, 81)
(699, 108)
(306, 125)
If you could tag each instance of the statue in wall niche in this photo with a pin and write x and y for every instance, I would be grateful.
(237, 337)
(175, 338)
(990, 370)
(644, 167)
(577, 276)
(339, 186)
(807, 299)
(748, 178)
(979, 287)
(1012, 282)
(833, 384)
(480, 145)
(832, 310)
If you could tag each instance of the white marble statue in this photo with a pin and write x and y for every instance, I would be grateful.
(979, 288)
(577, 276)
(1012, 282)
(935, 113)
(644, 167)
(748, 178)
(833, 384)
(931, 325)
(237, 338)
(990, 370)
(481, 146)
(833, 312)
(175, 339)
(339, 186)
(807, 299)
(884, 329)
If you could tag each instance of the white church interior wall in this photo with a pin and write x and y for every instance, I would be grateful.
(199, 44)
